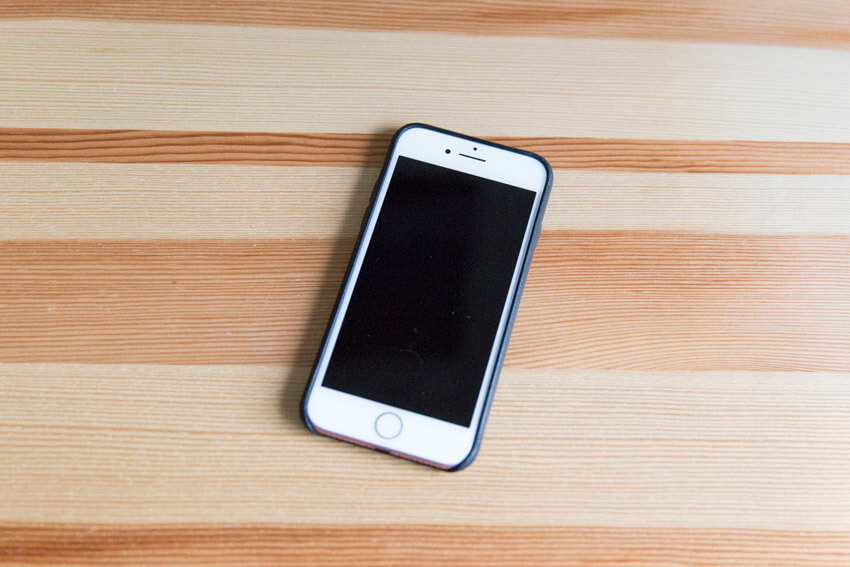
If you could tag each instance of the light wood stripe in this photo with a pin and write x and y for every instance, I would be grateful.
(644, 300)
(147, 443)
(286, 544)
(85, 74)
(160, 146)
(44, 201)
(816, 23)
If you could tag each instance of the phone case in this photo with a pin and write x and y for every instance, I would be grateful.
(502, 347)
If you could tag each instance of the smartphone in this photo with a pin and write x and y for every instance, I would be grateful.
(412, 353)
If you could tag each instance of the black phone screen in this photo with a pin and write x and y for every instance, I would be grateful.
(426, 305)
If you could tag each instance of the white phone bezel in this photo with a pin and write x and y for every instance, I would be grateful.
(423, 438)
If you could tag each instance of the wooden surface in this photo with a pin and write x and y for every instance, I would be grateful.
(180, 186)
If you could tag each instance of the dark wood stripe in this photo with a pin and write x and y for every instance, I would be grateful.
(818, 23)
(149, 146)
(406, 544)
(640, 300)
(693, 156)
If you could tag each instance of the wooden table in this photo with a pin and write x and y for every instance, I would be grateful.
(180, 186)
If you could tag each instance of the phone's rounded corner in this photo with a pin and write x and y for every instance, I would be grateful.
(407, 128)
(412, 125)
(548, 173)
(467, 460)
(305, 411)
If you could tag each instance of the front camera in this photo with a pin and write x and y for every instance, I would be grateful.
(448, 151)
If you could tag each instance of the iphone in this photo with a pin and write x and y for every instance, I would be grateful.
(412, 353)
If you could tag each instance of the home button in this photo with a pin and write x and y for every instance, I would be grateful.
(388, 425)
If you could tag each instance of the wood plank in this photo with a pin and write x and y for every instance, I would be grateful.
(643, 300)
(116, 75)
(119, 298)
(365, 150)
(816, 23)
(674, 300)
(50, 201)
(150, 444)
(286, 544)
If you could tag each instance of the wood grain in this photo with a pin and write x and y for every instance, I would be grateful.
(287, 149)
(180, 186)
(637, 300)
(816, 23)
(142, 444)
(401, 545)
(84, 74)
